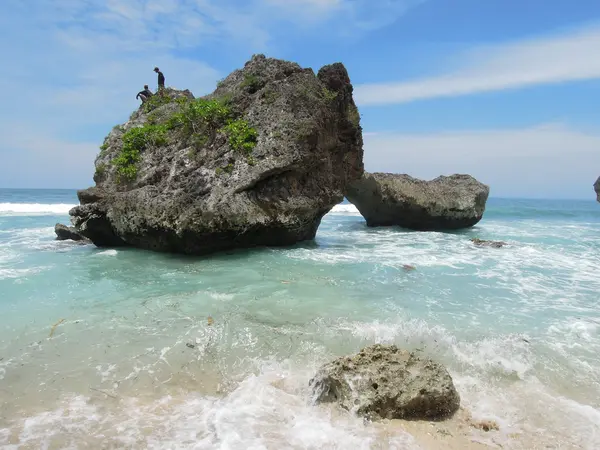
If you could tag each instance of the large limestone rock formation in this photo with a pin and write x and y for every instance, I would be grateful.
(389, 383)
(445, 203)
(257, 162)
(597, 189)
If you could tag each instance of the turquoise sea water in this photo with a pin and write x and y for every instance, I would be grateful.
(165, 351)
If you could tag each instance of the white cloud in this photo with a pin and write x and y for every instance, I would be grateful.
(36, 157)
(74, 75)
(551, 160)
(76, 65)
(546, 60)
(345, 17)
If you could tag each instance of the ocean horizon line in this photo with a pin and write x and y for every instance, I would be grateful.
(492, 197)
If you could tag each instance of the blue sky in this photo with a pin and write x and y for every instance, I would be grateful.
(506, 90)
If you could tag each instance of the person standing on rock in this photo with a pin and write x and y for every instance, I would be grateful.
(161, 78)
(144, 95)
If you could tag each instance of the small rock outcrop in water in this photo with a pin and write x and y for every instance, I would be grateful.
(483, 243)
(258, 162)
(386, 382)
(64, 233)
(597, 189)
(445, 203)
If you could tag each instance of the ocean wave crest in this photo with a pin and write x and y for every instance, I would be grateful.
(30, 209)
(344, 209)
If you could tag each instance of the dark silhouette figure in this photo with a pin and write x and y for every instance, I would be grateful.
(161, 78)
(145, 94)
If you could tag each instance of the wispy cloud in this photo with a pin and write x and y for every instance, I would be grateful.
(30, 157)
(545, 60)
(345, 16)
(545, 160)
(76, 65)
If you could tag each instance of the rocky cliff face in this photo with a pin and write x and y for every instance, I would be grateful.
(445, 203)
(257, 162)
(597, 189)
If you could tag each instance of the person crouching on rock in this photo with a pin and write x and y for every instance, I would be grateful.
(161, 78)
(144, 95)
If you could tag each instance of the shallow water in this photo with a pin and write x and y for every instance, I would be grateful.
(164, 351)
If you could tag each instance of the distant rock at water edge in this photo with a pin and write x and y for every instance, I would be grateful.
(483, 243)
(445, 203)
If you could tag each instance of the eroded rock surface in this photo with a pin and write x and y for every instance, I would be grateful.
(597, 189)
(445, 203)
(64, 233)
(485, 243)
(387, 382)
(258, 162)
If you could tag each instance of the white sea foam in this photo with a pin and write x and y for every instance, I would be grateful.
(110, 252)
(34, 209)
(17, 240)
(348, 209)
(515, 327)
(274, 410)
(271, 410)
(220, 296)
(18, 273)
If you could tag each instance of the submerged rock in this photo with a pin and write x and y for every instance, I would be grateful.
(445, 203)
(258, 162)
(483, 243)
(386, 382)
(597, 189)
(64, 233)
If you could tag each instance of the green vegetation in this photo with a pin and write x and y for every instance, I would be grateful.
(156, 101)
(252, 82)
(135, 141)
(199, 115)
(100, 170)
(250, 160)
(226, 99)
(152, 118)
(242, 137)
(198, 123)
(353, 115)
(200, 119)
(329, 95)
(197, 142)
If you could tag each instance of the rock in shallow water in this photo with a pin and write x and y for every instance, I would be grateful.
(387, 382)
(258, 162)
(445, 203)
(64, 233)
(597, 189)
(483, 243)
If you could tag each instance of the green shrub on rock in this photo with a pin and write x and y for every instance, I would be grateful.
(135, 141)
(197, 115)
(242, 137)
(156, 101)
